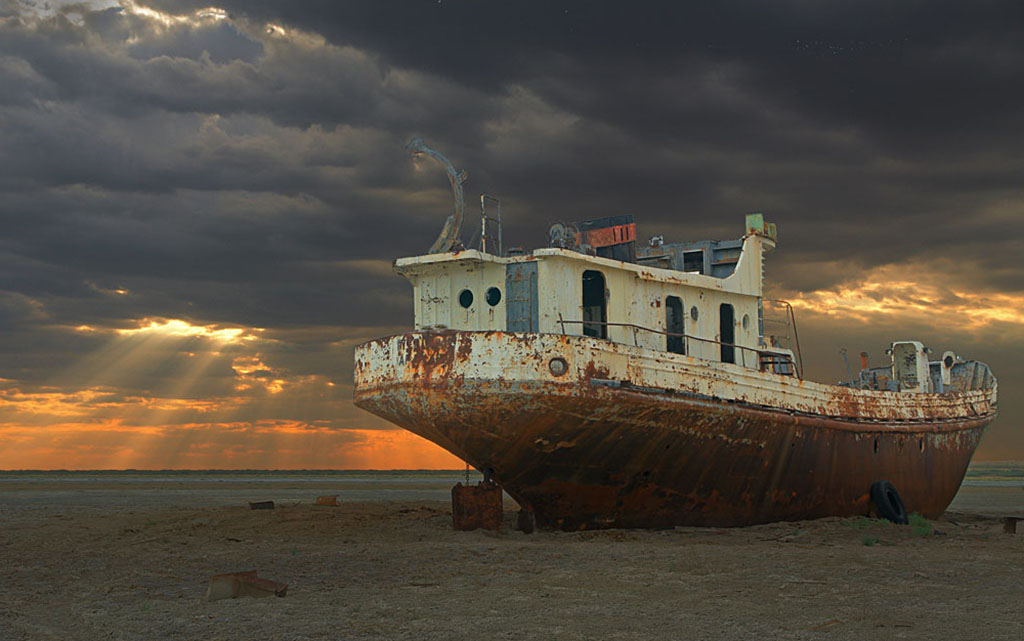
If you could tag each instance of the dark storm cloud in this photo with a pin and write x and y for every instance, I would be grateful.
(681, 104)
(830, 117)
(819, 115)
(894, 68)
(247, 168)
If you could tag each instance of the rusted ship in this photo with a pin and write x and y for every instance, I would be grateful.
(606, 385)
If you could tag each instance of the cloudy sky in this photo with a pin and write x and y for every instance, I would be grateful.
(199, 204)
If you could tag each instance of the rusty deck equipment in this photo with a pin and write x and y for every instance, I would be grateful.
(605, 385)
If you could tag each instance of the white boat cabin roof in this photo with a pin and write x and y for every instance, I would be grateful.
(561, 290)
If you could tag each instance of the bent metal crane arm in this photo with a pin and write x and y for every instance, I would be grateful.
(452, 229)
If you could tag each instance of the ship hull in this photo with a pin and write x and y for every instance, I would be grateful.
(600, 446)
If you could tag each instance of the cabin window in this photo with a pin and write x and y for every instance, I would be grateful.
(674, 316)
(693, 261)
(595, 307)
(465, 298)
(727, 332)
(493, 296)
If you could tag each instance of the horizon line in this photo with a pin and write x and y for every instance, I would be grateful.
(238, 469)
(319, 470)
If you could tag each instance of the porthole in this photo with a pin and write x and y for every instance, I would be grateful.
(693, 312)
(558, 366)
(493, 296)
(465, 298)
(746, 321)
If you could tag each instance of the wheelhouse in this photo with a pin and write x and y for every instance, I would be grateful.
(593, 282)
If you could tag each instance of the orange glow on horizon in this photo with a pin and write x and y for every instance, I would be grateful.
(885, 292)
(100, 428)
(265, 445)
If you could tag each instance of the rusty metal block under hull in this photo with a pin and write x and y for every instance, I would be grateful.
(582, 451)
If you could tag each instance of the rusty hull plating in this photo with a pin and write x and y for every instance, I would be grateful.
(667, 439)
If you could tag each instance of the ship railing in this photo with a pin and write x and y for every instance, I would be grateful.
(787, 322)
(765, 360)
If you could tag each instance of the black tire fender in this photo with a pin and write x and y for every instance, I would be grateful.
(888, 502)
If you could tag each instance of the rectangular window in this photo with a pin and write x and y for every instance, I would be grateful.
(693, 261)
(595, 307)
(727, 332)
(675, 342)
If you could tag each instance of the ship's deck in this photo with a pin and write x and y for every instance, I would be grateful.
(435, 358)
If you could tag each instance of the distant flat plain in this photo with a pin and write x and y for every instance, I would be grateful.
(127, 555)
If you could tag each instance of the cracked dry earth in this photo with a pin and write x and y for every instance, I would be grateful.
(397, 570)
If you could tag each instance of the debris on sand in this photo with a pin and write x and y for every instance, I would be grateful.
(235, 584)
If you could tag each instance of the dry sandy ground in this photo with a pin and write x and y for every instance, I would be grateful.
(397, 570)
